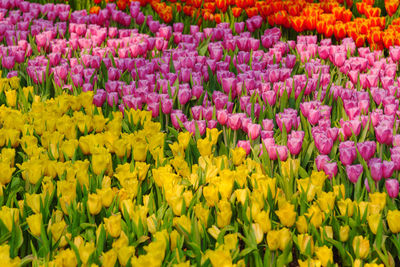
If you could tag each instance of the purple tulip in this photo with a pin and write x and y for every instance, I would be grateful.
(323, 143)
(392, 187)
(254, 130)
(320, 161)
(330, 169)
(112, 99)
(388, 168)
(367, 149)
(354, 172)
(384, 134)
(222, 116)
(376, 169)
(235, 121)
(8, 62)
(294, 145)
(184, 96)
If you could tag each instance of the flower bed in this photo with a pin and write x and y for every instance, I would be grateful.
(128, 141)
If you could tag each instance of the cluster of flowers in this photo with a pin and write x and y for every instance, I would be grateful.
(221, 146)
(330, 18)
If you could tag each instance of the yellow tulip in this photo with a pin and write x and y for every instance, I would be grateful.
(113, 225)
(224, 213)
(325, 255)
(304, 241)
(361, 247)
(287, 215)
(379, 199)
(124, 254)
(273, 242)
(344, 233)
(183, 139)
(11, 97)
(219, 257)
(393, 219)
(238, 155)
(346, 207)
(6, 172)
(204, 146)
(285, 237)
(35, 222)
(258, 233)
(85, 251)
(94, 204)
(109, 258)
(373, 222)
(301, 224)
(262, 218)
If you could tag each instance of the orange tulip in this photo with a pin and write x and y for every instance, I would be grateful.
(321, 26)
(236, 11)
(297, 23)
(221, 4)
(251, 11)
(339, 31)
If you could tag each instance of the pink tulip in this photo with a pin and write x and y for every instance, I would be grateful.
(392, 187)
(354, 172)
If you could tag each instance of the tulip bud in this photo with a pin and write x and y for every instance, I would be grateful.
(94, 204)
(35, 222)
(393, 218)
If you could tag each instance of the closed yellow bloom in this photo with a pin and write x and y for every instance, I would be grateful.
(262, 218)
(273, 242)
(285, 237)
(326, 201)
(174, 235)
(230, 241)
(210, 193)
(204, 146)
(305, 241)
(58, 229)
(344, 233)
(306, 187)
(11, 97)
(393, 219)
(339, 191)
(224, 213)
(122, 148)
(94, 204)
(325, 255)
(85, 250)
(361, 247)
(315, 215)
(286, 214)
(66, 258)
(6, 172)
(238, 155)
(201, 213)
(33, 201)
(35, 222)
(346, 207)
(69, 147)
(379, 199)
(219, 258)
(301, 224)
(258, 232)
(212, 135)
(113, 225)
(101, 159)
(139, 150)
(106, 195)
(124, 254)
(109, 258)
(183, 139)
(373, 222)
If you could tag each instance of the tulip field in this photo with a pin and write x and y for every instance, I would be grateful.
(199, 133)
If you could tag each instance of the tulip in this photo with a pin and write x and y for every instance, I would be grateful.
(34, 222)
(325, 255)
(323, 143)
(393, 218)
(376, 169)
(330, 169)
(384, 134)
(367, 149)
(361, 247)
(254, 130)
(8, 62)
(392, 187)
(235, 121)
(354, 172)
